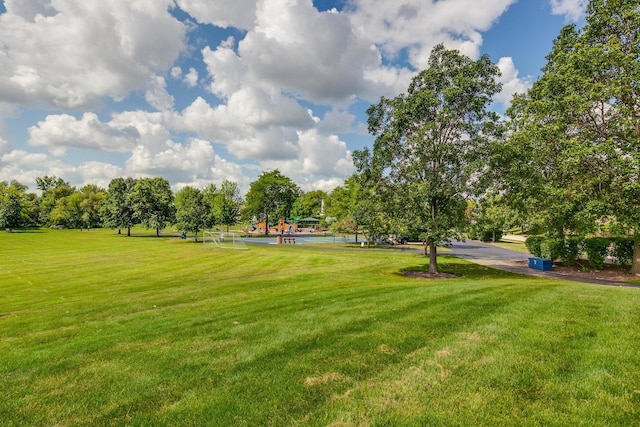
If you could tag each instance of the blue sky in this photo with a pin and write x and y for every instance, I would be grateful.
(199, 91)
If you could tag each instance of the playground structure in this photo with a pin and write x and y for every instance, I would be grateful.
(283, 226)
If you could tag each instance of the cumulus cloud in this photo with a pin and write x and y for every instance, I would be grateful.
(573, 10)
(512, 83)
(70, 54)
(221, 13)
(316, 55)
(59, 132)
(415, 26)
(262, 84)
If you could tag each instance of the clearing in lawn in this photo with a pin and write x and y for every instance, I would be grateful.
(101, 329)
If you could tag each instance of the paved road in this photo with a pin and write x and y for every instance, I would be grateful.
(503, 259)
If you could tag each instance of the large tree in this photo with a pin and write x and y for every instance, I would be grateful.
(117, 210)
(431, 143)
(574, 154)
(152, 200)
(271, 196)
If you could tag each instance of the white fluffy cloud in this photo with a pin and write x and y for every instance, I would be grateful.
(572, 9)
(58, 132)
(317, 55)
(70, 54)
(222, 13)
(512, 83)
(260, 85)
(415, 26)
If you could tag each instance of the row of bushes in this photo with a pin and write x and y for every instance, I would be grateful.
(568, 250)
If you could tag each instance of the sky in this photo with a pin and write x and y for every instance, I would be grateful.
(199, 91)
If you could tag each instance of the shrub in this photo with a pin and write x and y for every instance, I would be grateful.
(597, 248)
(622, 251)
(533, 245)
(571, 252)
(552, 248)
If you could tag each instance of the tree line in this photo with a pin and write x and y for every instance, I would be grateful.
(151, 203)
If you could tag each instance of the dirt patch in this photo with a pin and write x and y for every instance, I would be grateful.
(324, 379)
(614, 273)
(427, 275)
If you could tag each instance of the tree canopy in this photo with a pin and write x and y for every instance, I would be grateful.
(572, 160)
(271, 196)
(431, 144)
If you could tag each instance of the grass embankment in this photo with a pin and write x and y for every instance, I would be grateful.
(108, 330)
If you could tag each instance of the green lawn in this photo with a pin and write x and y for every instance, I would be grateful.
(103, 329)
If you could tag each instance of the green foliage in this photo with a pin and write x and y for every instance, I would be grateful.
(622, 251)
(226, 204)
(152, 200)
(309, 204)
(534, 245)
(13, 204)
(572, 159)
(118, 210)
(431, 141)
(571, 250)
(552, 248)
(596, 249)
(54, 189)
(271, 196)
(191, 210)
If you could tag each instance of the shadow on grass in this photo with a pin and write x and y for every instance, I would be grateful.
(461, 269)
(24, 230)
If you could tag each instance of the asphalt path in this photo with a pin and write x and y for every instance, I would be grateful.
(504, 259)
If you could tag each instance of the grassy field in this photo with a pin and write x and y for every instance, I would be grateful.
(100, 329)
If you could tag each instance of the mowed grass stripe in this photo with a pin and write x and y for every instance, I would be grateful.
(155, 331)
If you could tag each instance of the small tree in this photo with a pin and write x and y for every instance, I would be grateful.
(226, 204)
(191, 210)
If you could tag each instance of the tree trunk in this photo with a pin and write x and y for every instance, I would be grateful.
(433, 256)
(119, 231)
(635, 263)
(493, 238)
(266, 224)
(128, 231)
(157, 231)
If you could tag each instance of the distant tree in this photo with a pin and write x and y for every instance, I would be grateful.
(92, 198)
(52, 190)
(309, 204)
(152, 200)
(431, 143)
(210, 194)
(67, 211)
(271, 196)
(490, 217)
(191, 210)
(370, 196)
(13, 204)
(117, 209)
(226, 204)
